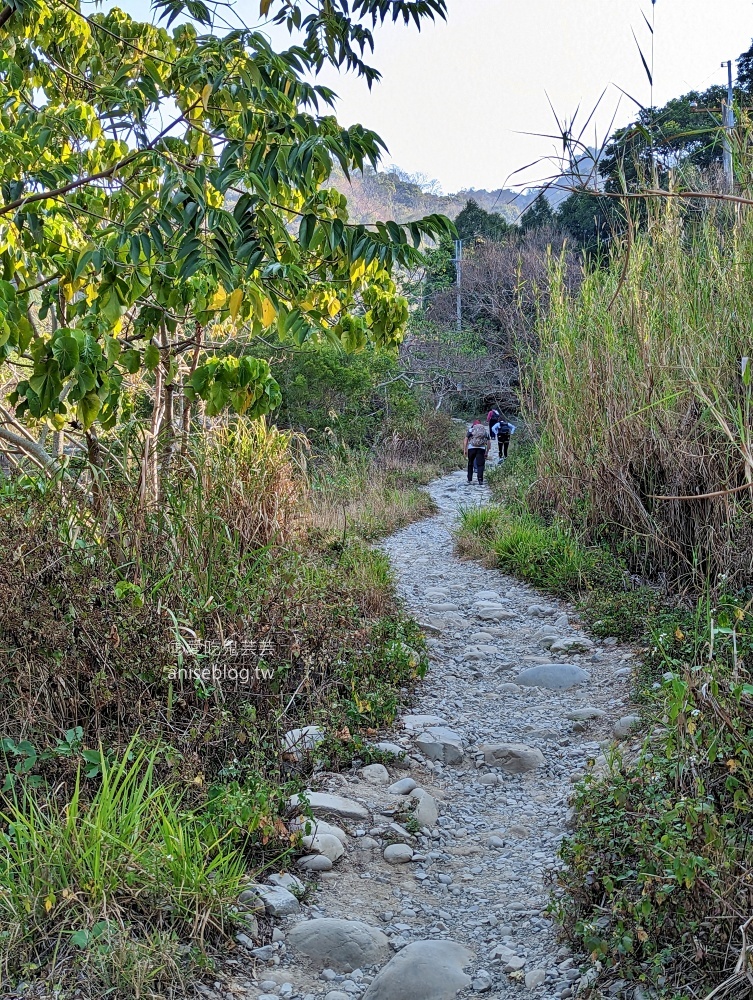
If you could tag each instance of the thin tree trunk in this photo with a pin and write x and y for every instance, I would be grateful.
(187, 405)
(94, 455)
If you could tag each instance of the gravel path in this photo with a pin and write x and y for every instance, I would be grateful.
(496, 761)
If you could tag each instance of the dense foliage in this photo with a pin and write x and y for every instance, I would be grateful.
(133, 239)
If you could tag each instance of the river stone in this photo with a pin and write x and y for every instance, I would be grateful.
(534, 978)
(417, 722)
(515, 758)
(488, 595)
(489, 614)
(402, 787)
(584, 714)
(425, 810)
(337, 805)
(314, 827)
(443, 606)
(342, 945)
(624, 726)
(554, 676)
(278, 902)
(301, 741)
(375, 774)
(315, 863)
(398, 854)
(440, 743)
(424, 970)
(288, 882)
(572, 644)
(325, 844)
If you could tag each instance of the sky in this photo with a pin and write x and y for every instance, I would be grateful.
(467, 101)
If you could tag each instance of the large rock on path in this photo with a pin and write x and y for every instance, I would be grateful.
(440, 743)
(425, 811)
(554, 676)
(323, 803)
(342, 945)
(424, 970)
(515, 758)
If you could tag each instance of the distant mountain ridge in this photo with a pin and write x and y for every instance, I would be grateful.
(393, 194)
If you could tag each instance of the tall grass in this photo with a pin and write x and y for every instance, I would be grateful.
(638, 393)
(131, 862)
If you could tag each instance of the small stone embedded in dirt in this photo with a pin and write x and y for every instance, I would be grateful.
(440, 743)
(402, 787)
(553, 676)
(624, 726)
(425, 810)
(375, 774)
(315, 863)
(534, 978)
(585, 714)
(278, 902)
(290, 882)
(324, 843)
(398, 854)
(342, 945)
(515, 758)
(572, 644)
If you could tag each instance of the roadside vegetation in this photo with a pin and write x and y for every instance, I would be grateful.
(151, 667)
(640, 393)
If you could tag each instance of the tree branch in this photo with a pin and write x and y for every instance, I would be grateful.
(35, 451)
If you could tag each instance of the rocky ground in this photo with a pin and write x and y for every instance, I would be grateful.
(432, 873)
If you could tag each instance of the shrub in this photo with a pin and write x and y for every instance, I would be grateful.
(656, 877)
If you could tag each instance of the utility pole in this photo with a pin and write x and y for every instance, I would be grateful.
(728, 121)
(458, 259)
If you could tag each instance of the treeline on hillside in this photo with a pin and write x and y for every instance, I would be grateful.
(394, 194)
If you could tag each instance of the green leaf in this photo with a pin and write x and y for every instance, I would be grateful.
(88, 408)
(65, 351)
(151, 356)
(131, 361)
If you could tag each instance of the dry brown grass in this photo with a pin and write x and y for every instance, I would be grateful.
(638, 393)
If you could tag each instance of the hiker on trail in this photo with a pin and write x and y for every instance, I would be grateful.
(503, 430)
(476, 448)
(492, 417)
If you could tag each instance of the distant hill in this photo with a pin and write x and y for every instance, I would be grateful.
(393, 194)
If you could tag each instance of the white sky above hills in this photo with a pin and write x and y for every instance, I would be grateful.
(456, 101)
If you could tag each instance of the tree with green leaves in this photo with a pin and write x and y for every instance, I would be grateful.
(538, 215)
(473, 222)
(163, 204)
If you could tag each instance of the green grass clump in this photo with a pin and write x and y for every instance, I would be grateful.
(548, 556)
(115, 879)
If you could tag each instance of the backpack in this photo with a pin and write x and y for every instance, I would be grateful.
(491, 415)
(478, 436)
(504, 430)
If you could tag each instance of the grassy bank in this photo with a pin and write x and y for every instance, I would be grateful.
(550, 554)
(154, 657)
